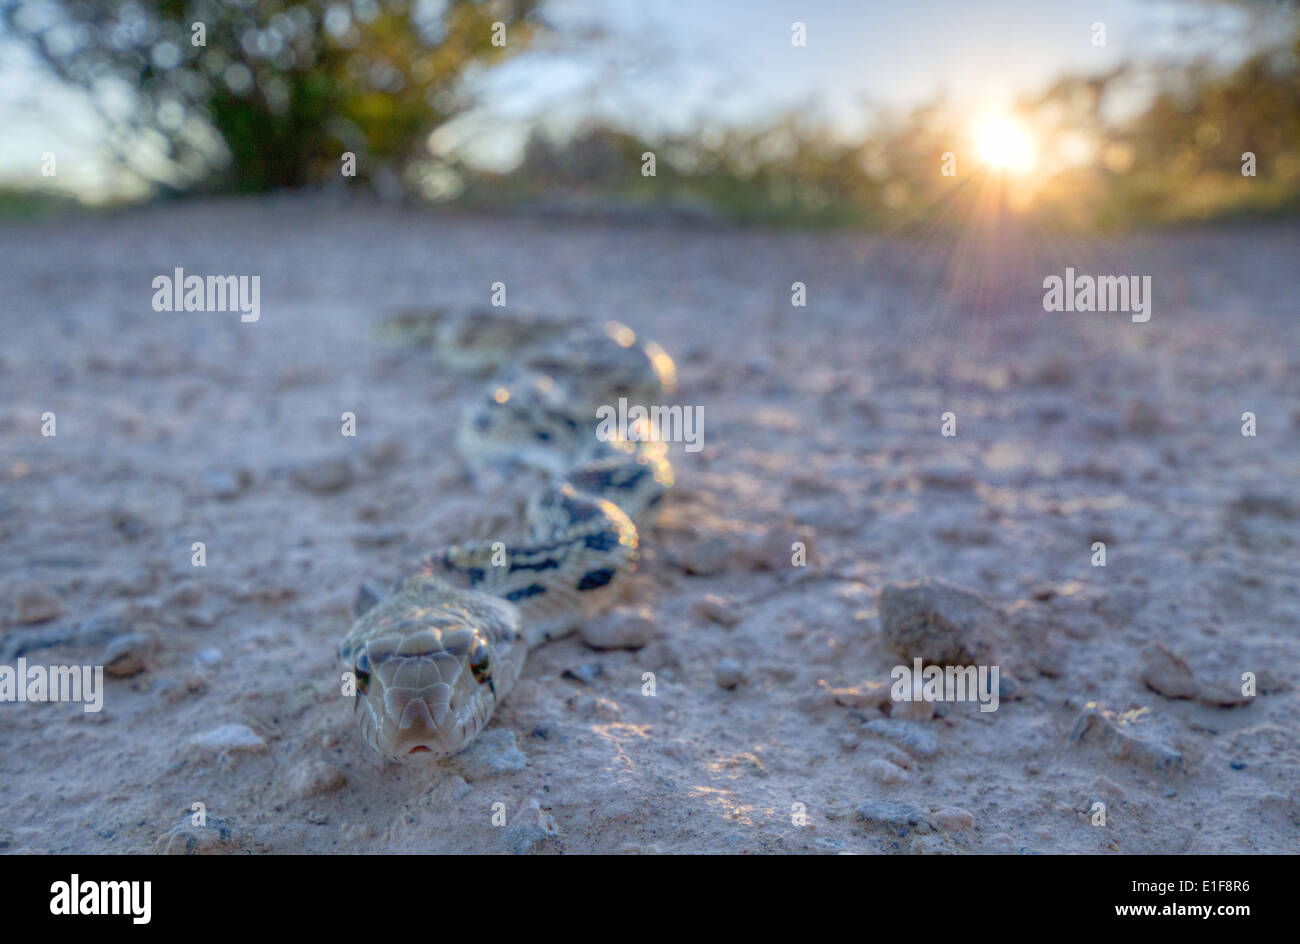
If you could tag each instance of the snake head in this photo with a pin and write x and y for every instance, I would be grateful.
(428, 672)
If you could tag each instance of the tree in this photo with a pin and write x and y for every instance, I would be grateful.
(258, 94)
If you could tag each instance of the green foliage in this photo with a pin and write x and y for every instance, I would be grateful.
(278, 90)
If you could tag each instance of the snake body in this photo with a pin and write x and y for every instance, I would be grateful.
(433, 658)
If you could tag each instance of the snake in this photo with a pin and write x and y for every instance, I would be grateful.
(430, 660)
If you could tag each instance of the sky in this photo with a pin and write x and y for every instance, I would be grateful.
(670, 64)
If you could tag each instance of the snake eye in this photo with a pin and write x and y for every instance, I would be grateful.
(480, 662)
(362, 671)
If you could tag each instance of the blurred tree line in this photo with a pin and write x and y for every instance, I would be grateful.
(279, 89)
(258, 94)
(1101, 164)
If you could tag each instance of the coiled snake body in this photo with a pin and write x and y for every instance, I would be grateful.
(433, 658)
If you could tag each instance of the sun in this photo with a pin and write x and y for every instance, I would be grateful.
(1005, 144)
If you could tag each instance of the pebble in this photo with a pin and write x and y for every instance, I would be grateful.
(624, 627)
(327, 474)
(932, 844)
(1133, 736)
(728, 673)
(96, 631)
(229, 738)
(314, 777)
(36, 604)
(187, 593)
(227, 485)
(214, 837)
(1142, 418)
(707, 557)
(883, 772)
(890, 815)
(775, 549)
(208, 657)
(1272, 504)
(867, 693)
(952, 819)
(916, 710)
(125, 655)
(906, 734)
(584, 674)
(129, 523)
(939, 622)
(533, 829)
(492, 752)
(947, 474)
(718, 609)
(1167, 673)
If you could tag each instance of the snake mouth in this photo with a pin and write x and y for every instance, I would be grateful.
(419, 749)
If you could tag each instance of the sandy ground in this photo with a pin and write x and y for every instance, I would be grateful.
(821, 423)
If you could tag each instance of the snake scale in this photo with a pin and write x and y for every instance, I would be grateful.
(433, 658)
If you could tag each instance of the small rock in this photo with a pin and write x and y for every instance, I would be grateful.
(938, 622)
(385, 452)
(594, 706)
(918, 709)
(906, 734)
(36, 604)
(718, 609)
(214, 837)
(226, 485)
(125, 655)
(493, 752)
(952, 819)
(1133, 736)
(584, 674)
(187, 593)
(327, 474)
(948, 474)
(624, 627)
(883, 772)
(1142, 418)
(776, 550)
(229, 738)
(131, 525)
(864, 694)
(707, 557)
(1166, 673)
(728, 673)
(532, 829)
(932, 844)
(889, 815)
(1272, 504)
(314, 777)
(208, 657)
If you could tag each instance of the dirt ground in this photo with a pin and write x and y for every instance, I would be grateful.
(821, 423)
